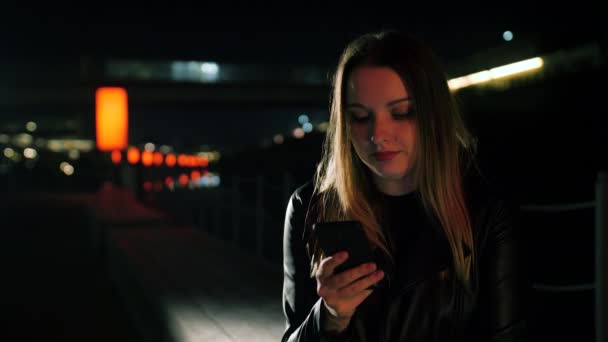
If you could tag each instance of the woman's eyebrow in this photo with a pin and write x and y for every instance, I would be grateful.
(394, 102)
(388, 104)
(355, 105)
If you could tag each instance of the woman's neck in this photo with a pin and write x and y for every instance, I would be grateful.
(394, 187)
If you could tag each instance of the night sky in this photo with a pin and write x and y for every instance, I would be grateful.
(296, 35)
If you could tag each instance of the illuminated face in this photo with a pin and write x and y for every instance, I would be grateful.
(382, 126)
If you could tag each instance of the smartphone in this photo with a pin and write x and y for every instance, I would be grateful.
(347, 236)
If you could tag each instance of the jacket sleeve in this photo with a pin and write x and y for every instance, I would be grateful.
(505, 274)
(302, 307)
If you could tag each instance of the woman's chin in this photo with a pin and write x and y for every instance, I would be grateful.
(391, 174)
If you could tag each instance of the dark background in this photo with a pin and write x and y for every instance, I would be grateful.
(542, 140)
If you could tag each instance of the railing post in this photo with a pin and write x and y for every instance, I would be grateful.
(236, 210)
(259, 214)
(601, 265)
(217, 215)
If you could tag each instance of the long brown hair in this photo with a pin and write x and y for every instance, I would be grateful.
(444, 147)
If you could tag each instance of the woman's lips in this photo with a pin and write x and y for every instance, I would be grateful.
(384, 156)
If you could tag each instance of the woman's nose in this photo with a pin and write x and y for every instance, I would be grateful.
(380, 129)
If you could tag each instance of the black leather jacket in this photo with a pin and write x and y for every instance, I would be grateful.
(426, 307)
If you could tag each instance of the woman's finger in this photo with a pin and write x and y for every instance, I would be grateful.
(348, 276)
(329, 264)
(360, 285)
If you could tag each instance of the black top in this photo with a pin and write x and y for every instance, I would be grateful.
(424, 301)
(403, 220)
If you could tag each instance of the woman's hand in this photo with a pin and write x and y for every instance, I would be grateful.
(343, 292)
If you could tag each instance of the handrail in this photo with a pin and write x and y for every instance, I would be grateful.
(558, 207)
(601, 252)
(563, 288)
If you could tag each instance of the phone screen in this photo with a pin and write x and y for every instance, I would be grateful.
(347, 236)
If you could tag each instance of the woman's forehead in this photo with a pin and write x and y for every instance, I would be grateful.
(372, 84)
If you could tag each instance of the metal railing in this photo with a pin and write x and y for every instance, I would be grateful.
(601, 265)
(600, 285)
(245, 210)
(258, 210)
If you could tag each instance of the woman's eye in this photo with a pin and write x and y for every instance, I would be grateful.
(403, 115)
(359, 118)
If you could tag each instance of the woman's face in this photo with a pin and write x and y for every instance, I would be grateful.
(382, 126)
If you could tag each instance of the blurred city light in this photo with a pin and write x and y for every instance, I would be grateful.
(4, 138)
(209, 180)
(148, 186)
(149, 147)
(302, 119)
(215, 180)
(508, 36)
(30, 153)
(210, 68)
(169, 183)
(480, 77)
(116, 156)
(183, 179)
(195, 175)
(147, 158)
(278, 139)
(60, 145)
(210, 156)
(23, 140)
(496, 73)
(31, 126)
(133, 155)
(298, 133)
(66, 168)
(195, 71)
(516, 68)
(111, 118)
(203, 162)
(170, 160)
(322, 127)
(307, 127)
(9, 153)
(192, 161)
(16, 158)
(164, 149)
(55, 145)
(182, 160)
(457, 83)
(74, 154)
(158, 158)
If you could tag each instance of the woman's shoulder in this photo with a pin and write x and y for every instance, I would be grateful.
(299, 201)
(303, 192)
(297, 213)
(482, 191)
(489, 203)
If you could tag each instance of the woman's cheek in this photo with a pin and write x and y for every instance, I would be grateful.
(358, 133)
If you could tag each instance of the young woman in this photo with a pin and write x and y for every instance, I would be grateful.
(399, 159)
